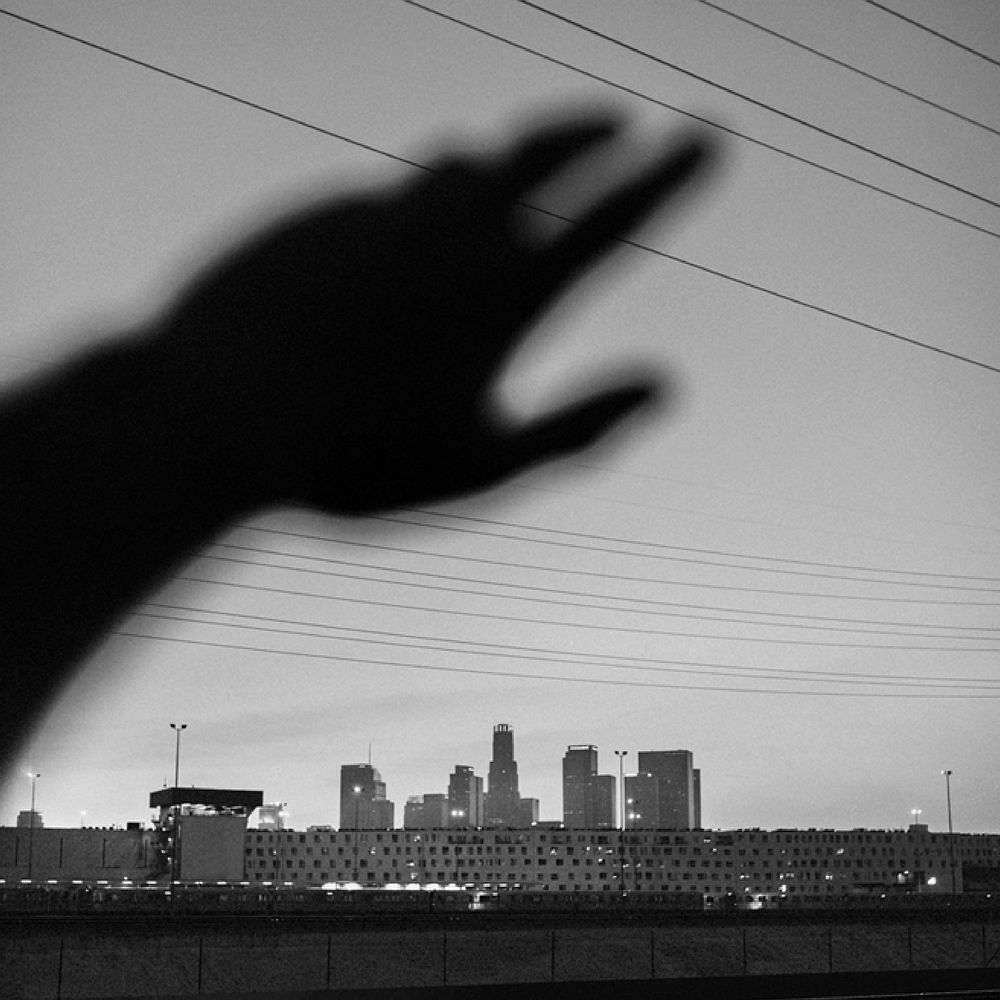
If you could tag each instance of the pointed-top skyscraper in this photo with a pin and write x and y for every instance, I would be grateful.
(503, 803)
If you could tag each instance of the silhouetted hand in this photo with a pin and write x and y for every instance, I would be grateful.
(350, 353)
(344, 359)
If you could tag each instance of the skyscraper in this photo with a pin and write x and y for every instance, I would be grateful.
(503, 803)
(363, 805)
(588, 797)
(642, 801)
(678, 796)
(465, 798)
(426, 812)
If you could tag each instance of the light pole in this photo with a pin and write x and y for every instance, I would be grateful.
(915, 813)
(177, 752)
(357, 826)
(634, 815)
(951, 831)
(31, 822)
(621, 755)
(177, 728)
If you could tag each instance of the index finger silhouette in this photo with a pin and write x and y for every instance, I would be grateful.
(617, 214)
(543, 152)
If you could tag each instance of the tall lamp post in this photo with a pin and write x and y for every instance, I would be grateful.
(31, 822)
(951, 831)
(177, 728)
(357, 826)
(621, 755)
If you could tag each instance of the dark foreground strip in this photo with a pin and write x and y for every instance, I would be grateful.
(931, 984)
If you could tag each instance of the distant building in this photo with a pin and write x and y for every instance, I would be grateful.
(28, 819)
(752, 866)
(363, 805)
(200, 832)
(465, 798)
(426, 812)
(678, 794)
(503, 800)
(588, 797)
(642, 802)
(271, 816)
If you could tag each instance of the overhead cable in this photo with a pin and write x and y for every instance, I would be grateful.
(663, 550)
(604, 575)
(632, 243)
(851, 68)
(711, 123)
(625, 629)
(936, 34)
(799, 618)
(732, 92)
(533, 676)
(598, 659)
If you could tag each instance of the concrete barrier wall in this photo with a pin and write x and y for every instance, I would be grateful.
(120, 962)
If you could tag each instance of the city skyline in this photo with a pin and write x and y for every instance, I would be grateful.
(791, 566)
(380, 810)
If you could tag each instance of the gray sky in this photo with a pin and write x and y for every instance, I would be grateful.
(795, 443)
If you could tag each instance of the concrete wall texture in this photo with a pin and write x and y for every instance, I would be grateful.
(137, 962)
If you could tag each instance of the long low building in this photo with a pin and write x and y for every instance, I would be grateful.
(757, 863)
(765, 863)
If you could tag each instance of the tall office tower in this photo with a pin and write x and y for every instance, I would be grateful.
(674, 774)
(604, 800)
(465, 798)
(363, 805)
(579, 767)
(588, 797)
(696, 782)
(426, 812)
(502, 800)
(642, 802)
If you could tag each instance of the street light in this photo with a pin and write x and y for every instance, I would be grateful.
(177, 728)
(951, 831)
(621, 755)
(31, 822)
(177, 752)
(915, 813)
(357, 827)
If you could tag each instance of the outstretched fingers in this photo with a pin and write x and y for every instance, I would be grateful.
(573, 427)
(537, 157)
(620, 212)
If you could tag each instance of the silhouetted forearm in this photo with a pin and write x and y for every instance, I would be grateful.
(112, 471)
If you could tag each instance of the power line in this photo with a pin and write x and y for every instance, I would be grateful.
(533, 676)
(936, 34)
(153, 68)
(466, 591)
(732, 92)
(632, 243)
(868, 512)
(633, 600)
(728, 518)
(548, 568)
(663, 550)
(505, 651)
(851, 68)
(711, 123)
(629, 630)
